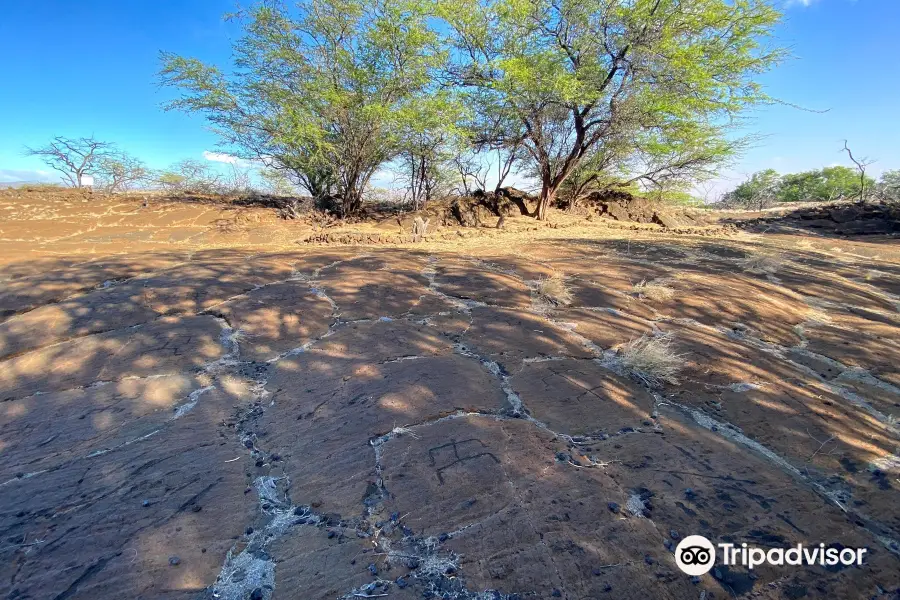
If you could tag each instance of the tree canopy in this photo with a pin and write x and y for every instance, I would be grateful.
(758, 192)
(321, 91)
(767, 187)
(118, 171)
(330, 90)
(830, 183)
(651, 86)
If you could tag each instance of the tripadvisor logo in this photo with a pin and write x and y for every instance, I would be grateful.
(696, 555)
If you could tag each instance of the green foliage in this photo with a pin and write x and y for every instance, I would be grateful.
(680, 198)
(765, 188)
(276, 182)
(661, 79)
(170, 180)
(430, 137)
(595, 172)
(120, 171)
(324, 92)
(331, 90)
(758, 192)
(889, 185)
(190, 176)
(830, 183)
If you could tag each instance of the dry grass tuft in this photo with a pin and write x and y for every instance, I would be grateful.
(874, 274)
(816, 315)
(653, 359)
(403, 430)
(762, 264)
(653, 291)
(554, 289)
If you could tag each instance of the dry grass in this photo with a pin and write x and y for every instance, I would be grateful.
(874, 274)
(817, 315)
(653, 359)
(762, 264)
(554, 290)
(44, 187)
(656, 291)
(403, 430)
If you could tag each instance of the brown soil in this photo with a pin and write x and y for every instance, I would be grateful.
(198, 403)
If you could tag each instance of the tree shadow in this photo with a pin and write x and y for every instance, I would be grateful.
(135, 427)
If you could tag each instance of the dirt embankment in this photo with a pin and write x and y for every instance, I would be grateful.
(622, 206)
(77, 216)
(479, 208)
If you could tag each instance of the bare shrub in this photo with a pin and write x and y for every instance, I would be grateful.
(554, 290)
(653, 359)
(73, 157)
(656, 291)
(402, 430)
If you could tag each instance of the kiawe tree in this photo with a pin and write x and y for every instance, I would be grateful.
(190, 176)
(667, 78)
(759, 191)
(119, 171)
(319, 90)
(430, 138)
(830, 183)
(764, 188)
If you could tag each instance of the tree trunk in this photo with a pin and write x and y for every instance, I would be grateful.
(548, 194)
(351, 202)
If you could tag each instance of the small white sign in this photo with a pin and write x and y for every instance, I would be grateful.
(87, 181)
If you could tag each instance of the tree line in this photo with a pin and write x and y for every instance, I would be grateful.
(767, 188)
(576, 93)
(115, 170)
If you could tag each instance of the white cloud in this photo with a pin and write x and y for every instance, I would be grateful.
(230, 159)
(803, 3)
(221, 157)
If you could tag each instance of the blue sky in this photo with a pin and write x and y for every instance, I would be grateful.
(88, 68)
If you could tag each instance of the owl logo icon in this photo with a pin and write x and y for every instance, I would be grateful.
(695, 555)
